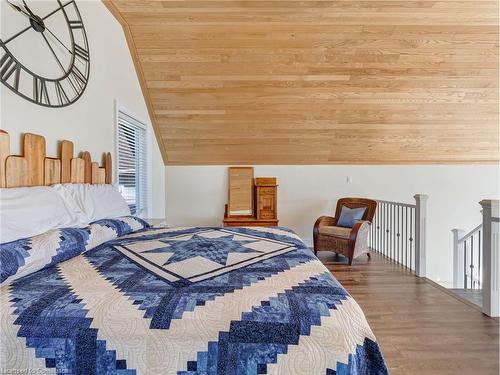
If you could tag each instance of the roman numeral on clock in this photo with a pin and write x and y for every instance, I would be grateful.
(40, 94)
(9, 65)
(76, 77)
(62, 97)
(75, 24)
(81, 52)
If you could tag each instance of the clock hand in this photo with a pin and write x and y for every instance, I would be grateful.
(35, 21)
(43, 18)
(59, 62)
(27, 8)
(66, 48)
(19, 9)
(31, 15)
(52, 50)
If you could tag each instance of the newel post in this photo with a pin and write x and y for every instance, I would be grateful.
(491, 258)
(458, 259)
(420, 234)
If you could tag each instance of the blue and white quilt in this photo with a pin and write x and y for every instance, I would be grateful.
(119, 297)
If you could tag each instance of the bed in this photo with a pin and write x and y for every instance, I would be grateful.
(86, 288)
(120, 297)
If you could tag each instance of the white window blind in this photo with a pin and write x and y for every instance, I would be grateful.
(132, 162)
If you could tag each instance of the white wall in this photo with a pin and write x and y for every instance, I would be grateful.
(90, 122)
(196, 196)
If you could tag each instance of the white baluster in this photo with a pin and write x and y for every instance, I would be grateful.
(458, 258)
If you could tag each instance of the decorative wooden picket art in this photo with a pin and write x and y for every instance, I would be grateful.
(34, 168)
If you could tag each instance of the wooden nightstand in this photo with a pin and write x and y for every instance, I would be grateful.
(264, 202)
(266, 191)
(247, 221)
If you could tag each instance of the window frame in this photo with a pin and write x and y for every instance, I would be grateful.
(146, 126)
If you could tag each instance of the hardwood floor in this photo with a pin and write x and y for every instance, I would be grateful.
(474, 296)
(421, 329)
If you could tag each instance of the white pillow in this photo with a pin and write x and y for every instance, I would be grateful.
(93, 202)
(29, 211)
(108, 202)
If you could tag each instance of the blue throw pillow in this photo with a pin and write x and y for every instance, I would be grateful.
(349, 216)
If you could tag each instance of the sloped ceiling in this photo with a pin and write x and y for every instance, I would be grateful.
(318, 82)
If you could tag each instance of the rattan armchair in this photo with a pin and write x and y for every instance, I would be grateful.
(351, 242)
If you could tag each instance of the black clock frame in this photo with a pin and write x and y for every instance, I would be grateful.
(78, 81)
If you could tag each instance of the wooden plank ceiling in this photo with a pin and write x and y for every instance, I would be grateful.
(318, 82)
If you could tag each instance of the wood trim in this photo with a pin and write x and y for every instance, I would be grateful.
(95, 172)
(77, 171)
(88, 167)
(101, 175)
(140, 75)
(35, 169)
(249, 222)
(274, 83)
(16, 174)
(108, 166)
(34, 152)
(52, 174)
(67, 149)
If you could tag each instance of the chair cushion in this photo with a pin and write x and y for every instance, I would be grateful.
(335, 231)
(349, 216)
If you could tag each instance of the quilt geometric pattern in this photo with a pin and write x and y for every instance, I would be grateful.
(202, 253)
(190, 301)
(28, 255)
(54, 322)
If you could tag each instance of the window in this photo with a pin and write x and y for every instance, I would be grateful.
(132, 162)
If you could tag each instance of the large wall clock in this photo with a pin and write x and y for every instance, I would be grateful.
(44, 52)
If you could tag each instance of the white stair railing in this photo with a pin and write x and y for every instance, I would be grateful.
(467, 262)
(399, 232)
(476, 258)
